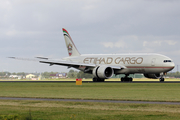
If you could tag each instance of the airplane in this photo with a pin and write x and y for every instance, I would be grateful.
(104, 66)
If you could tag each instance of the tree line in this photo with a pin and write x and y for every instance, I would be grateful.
(173, 74)
(78, 74)
(71, 74)
(43, 74)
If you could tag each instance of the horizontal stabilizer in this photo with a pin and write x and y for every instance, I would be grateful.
(42, 58)
(26, 59)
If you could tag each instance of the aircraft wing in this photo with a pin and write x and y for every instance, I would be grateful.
(65, 63)
(76, 64)
(54, 62)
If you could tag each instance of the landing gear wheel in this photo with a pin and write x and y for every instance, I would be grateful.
(161, 79)
(94, 79)
(126, 79)
(122, 79)
(98, 80)
(130, 79)
(102, 80)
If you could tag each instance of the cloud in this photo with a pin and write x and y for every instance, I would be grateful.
(108, 44)
(5, 4)
(33, 27)
(118, 44)
(121, 43)
(171, 42)
(159, 43)
(143, 44)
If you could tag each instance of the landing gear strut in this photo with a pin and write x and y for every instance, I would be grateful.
(161, 79)
(98, 80)
(126, 78)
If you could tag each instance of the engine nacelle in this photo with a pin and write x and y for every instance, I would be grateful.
(152, 76)
(103, 72)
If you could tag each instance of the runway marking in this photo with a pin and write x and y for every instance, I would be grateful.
(79, 100)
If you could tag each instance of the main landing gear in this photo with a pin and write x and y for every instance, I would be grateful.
(126, 78)
(98, 80)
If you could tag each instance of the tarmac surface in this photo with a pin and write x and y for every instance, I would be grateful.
(79, 100)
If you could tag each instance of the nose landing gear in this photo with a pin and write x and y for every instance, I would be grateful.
(161, 79)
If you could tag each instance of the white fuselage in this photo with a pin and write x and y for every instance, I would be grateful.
(132, 63)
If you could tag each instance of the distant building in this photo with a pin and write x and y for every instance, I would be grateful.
(59, 75)
(30, 76)
(15, 76)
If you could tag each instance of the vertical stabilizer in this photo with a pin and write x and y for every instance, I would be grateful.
(72, 50)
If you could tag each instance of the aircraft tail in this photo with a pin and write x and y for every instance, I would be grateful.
(72, 50)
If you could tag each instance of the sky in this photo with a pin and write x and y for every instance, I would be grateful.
(31, 28)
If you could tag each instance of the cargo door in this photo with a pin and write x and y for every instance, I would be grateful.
(153, 62)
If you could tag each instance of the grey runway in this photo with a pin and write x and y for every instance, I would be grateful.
(79, 100)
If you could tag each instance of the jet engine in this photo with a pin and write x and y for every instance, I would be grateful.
(152, 76)
(103, 72)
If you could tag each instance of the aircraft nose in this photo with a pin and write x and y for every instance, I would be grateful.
(172, 65)
(169, 65)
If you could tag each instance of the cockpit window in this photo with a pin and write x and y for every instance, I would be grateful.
(167, 61)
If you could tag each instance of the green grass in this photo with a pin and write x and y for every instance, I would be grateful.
(45, 110)
(108, 91)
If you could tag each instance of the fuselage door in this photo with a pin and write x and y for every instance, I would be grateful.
(153, 62)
